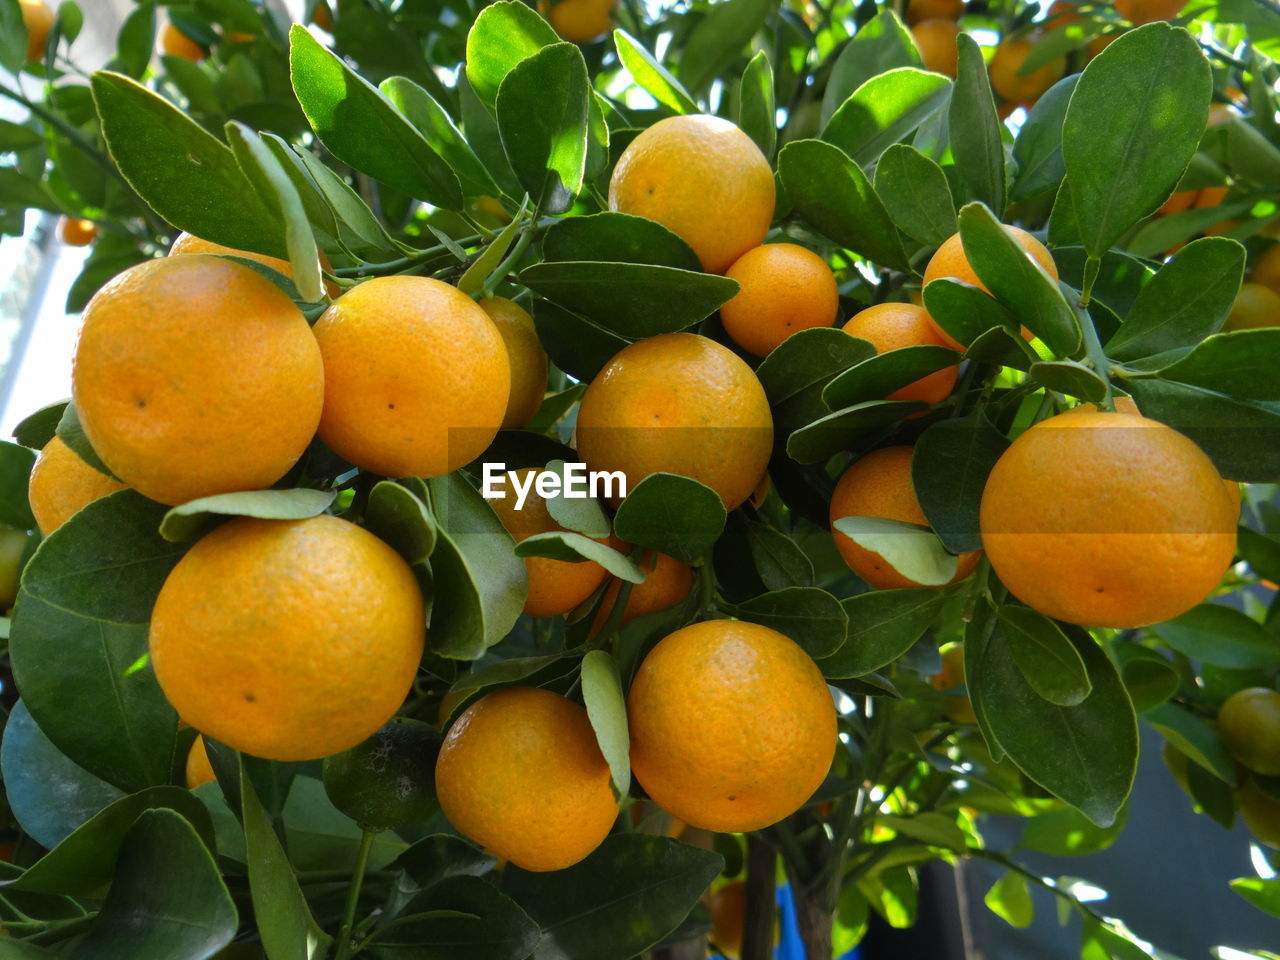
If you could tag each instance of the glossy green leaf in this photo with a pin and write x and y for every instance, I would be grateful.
(912, 550)
(651, 76)
(1240, 364)
(811, 617)
(1071, 378)
(718, 39)
(877, 377)
(617, 238)
(37, 429)
(1048, 660)
(974, 130)
(949, 470)
(360, 126)
(1010, 900)
(964, 311)
(757, 111)
(778, 560)
(13, 36)
(579, 514)
(833, 194)
(671, 514)
(72, 434)
(1221, 635)
(935, 829)
(1068, 833)
(916, 194)
(504, 34)
(607, 709)
(1038, 148)
(358, 228)
(1263, 894)
(396, 515)
(879, 45)
(1196, 738)
(137, 40)
(319, 836)
(459, 916)
(575, 344)
(1133, 123)
(15, 467)
(1147, 675)
(437, 127)
(192, 520)
(571, 547)
(845, 429)
(884, 110)
(808, 359)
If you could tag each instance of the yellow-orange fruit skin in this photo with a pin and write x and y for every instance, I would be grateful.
(198, 769)
(177, 44)
(728, 908)
(1256, 306)
(75, 232)
(527, 358)
(668, 581)
(732, 725)
(1266, 269)
(38, 18)
(891, 326)
(62, 484)
(1022, 88)
(1139, 12)
(194, 376)
(1107, 520)
(579, 21)
(921, 10)
(521, 774)
(189, 243)
(785, 288)
(416, 377)
(936, 39)
(703, 179)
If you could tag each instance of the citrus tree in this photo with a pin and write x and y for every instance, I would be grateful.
(536, 476)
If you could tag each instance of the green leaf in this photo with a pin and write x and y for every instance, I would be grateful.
(632, 300)
(1069, 833)
(949, 470)
(37, 429)
(1187, 300)
(1240, 364)
(480, 584)
(845, 429)
(542, 116)
(1038, 149)
(13, 36)
(717, 40)
(1010, 900)
(916, 194)
(673, 515)
(884, 110)
(358, 228)
(1001, 347)
(396, 515)
(1223, 636)
(912, 550)
(1147, 676)
(1263, 894)
(15, 469)
(476, 276)
(48, 794)
(935, 829)
(964, 311)
(1085, 755)
(879, 45)
(192, 520)
(84, 863)
(196, 85)
(777, 558)
(137, 40)
(1069, 377)
(574, 547)
(19, 191)
(1018, 281)
(360, 127)
(974, 129)
(650, 75)
(1048, 660)
(757, 111)
(1196, 738)
(883, 625)
(811, 617)
(432, 120)
(461, 916)
(833, 194)
(579, 514)
(285, 923)
(80, 632)
(607, 709)
(1261, 551)
(809, 359)
(1133, 123)
(72, 434)
(319, 836)
(183, 172)
(877, 377)
(146, 917)
(504, 34)
(624, 898)
(575, 344)
(617, 238)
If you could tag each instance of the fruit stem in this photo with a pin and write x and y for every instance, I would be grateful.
(367, 837)
(1097, 356)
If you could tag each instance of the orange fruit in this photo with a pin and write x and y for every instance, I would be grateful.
(728, 909)
(785, 288)
(890, 326)
(38, 18)
(62, 484)
(1177, 202)
(288, 639)
(1107, 520)
(937, 42)
(177, 44)
(525, 354)
(678, 403)
(732, 725)
(521, 774)
(950, 261)
(579, 21)
(1139, 12)
(189, 243)
(879, 485)
(1022, 88)
(77, 233)
(416, 377)
(322, 18)
(1266, 269)
(199, 769)
(668, 581)
(1260, 813)
(959, 707)
(1249, 725)
(195, 376)
(920, 10)
(555, 586)
(704, 180)
(1062, 13)
(1256, 306)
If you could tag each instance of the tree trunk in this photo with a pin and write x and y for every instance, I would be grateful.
(761, 899)
(815, 920)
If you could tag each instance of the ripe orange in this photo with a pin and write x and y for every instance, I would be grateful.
(194, 376)
(1177, 202)
(199, 769)
(1139, 12)
(555, 586)
(937, 42)
(189, 243)
(679, 403)
(668, 582)
(288, 639)
(62, 484)
(1062, 13)
(879, 485)
(38, 19)
(920, 10)
(77, 233)
(890, 326)
(732, 725)
(1266, 269)
(527, 358)
(177, 44)
(322, 18)
(950, 261)
(785, 288)
(579, 21)
(1022, 88)
(703, 179)
(959, 707)
(1107, 520)
(521, 774)
(1260, 813)
(1256, 306)
(728, 909)
(1249, 725)
(416, 377)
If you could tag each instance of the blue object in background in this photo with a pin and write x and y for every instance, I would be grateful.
(789, 945)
